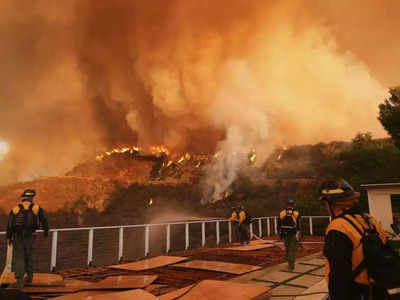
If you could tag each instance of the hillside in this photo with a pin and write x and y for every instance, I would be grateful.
(126, 186)
(54, 192)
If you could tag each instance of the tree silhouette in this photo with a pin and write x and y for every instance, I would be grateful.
(389, 115)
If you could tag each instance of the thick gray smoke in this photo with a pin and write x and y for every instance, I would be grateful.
(83, 76)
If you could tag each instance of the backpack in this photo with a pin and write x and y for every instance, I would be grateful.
(380, 260)
(289, 221)
(249, 218)
(26, 220)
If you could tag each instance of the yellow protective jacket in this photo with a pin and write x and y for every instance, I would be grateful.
(242, 216)
(343, 226)
(234, 217)
(295, 216)
(37, 211)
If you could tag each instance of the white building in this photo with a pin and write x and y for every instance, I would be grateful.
(380, 201)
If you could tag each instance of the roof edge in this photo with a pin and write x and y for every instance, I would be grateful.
(381, 185)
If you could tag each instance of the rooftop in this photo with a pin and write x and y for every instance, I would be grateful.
(217, 262)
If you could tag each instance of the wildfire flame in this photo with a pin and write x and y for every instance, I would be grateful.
(158, 149)
(132, 150)
(280, 155)
(253, 157)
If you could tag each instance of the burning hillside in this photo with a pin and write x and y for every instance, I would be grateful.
(136, 165)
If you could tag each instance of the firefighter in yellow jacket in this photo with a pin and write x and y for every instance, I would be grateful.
(289, 230)
(343, 250)
(23, 221)
(244, 226)
(235, 222)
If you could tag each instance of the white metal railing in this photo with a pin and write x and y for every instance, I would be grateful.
(257, 222)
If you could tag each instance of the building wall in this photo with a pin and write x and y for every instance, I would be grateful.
(380, 205)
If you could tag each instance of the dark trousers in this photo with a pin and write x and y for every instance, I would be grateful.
(23, 252)
(291, 249)
(244, 232)
(236, 232)
(363, 292)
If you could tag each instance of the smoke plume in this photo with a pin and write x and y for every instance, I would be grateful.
(83, 76)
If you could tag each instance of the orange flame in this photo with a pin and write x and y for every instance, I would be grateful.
(131, 150)
(158, 149)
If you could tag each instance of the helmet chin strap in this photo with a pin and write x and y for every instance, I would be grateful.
(332, 210)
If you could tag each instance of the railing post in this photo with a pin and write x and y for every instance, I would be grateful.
(53, 251)
(90, 248)
(311, 225)
(268, 227)
(186, 236)
(146, 240)
(121, 244)
(168, 242)
(251, 231)
(260, 228)
(230, 232)
(275, 225)
(203, 234)
(217, 231)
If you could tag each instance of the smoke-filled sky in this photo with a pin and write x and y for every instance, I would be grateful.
(79, 77)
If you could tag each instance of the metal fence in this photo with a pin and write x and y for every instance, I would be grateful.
(79, 247)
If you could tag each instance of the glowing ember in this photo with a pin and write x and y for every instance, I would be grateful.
(217, 154)
(280, 155)
(181, 159)
(253, 157)
(151, 202)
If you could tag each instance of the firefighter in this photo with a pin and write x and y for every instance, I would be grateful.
(23, 221)
(235, 222)
(343, 249)
(244, 231)
(289, 229)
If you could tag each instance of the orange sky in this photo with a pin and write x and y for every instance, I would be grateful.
(79, 77)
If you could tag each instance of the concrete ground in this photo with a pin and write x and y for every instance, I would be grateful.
(307, 278)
